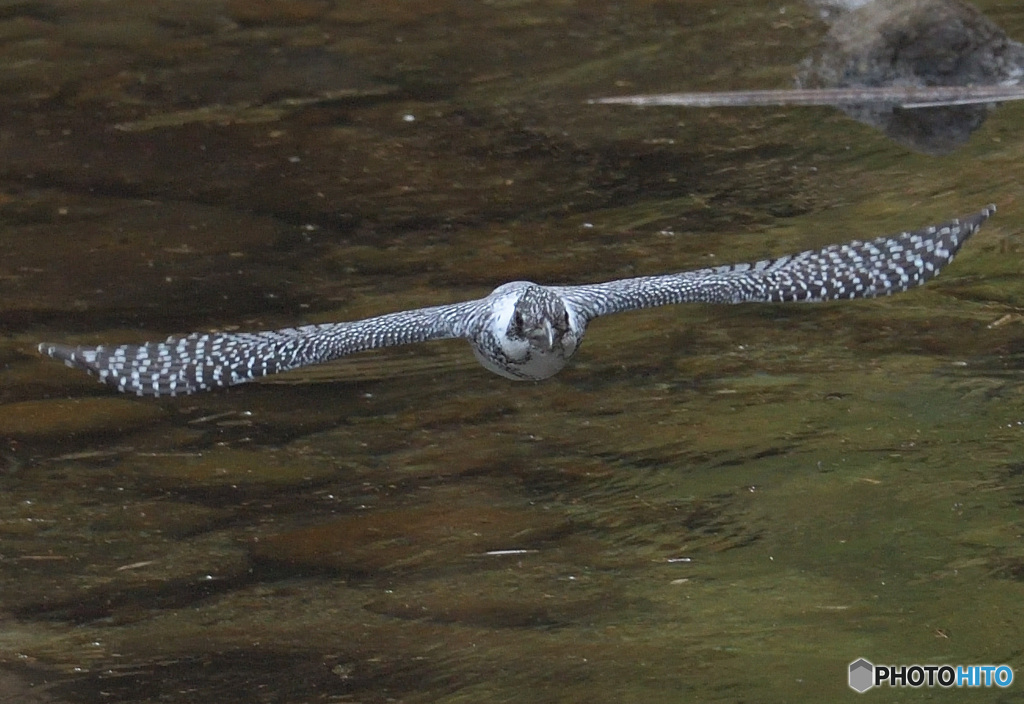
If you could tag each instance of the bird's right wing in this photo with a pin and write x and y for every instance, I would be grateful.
(204, 361)
(877, 267)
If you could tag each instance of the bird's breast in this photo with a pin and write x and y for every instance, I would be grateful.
(520, 360)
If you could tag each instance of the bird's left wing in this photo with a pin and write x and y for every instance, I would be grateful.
(204, 361)
(877, 267)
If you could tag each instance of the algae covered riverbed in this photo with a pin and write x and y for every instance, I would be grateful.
(709, 503)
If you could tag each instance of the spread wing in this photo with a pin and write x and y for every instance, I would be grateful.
(877, 267)
(203, 361)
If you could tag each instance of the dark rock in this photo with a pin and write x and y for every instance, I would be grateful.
(916, 43)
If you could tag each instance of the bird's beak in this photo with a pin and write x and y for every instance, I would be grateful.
(549, 331)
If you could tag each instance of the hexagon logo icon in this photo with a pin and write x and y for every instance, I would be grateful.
(861, 675)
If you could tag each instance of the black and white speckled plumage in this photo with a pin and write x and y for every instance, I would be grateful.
(878, 267)
(204, 361)
(523, 330)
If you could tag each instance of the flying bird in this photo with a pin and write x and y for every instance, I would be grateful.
(523, 330)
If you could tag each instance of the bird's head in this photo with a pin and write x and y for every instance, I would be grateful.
(540, 319)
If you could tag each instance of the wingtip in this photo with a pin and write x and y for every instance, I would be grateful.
(62, 353)
(975, 220)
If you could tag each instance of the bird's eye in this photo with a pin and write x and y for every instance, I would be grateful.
(519, 320)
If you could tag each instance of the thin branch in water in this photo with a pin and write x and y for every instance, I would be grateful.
(908, 97)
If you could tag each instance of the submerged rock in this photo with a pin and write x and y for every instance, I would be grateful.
(222, 466)
(502, 598)
(389, 539)
(70, 416)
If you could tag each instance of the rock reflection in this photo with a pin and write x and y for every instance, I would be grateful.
(926, 73)
(916, 43)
